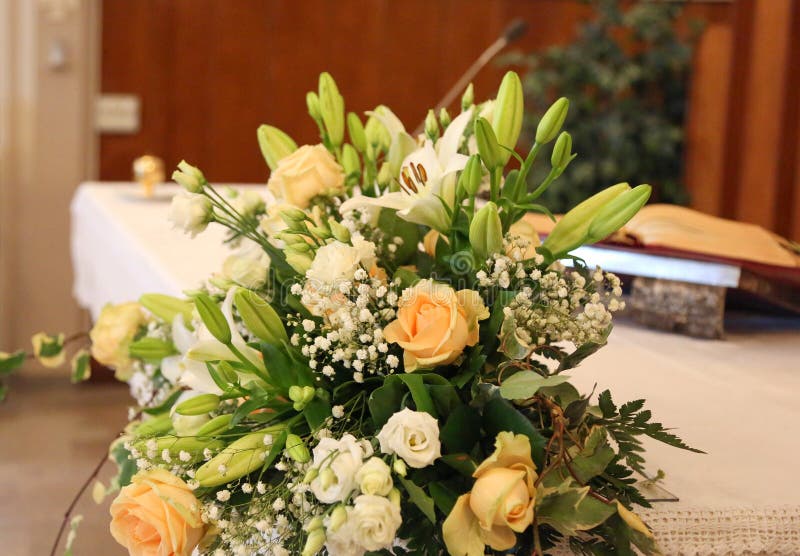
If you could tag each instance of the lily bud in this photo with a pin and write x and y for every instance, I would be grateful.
(444, 118)
(486, 231)
(175, 445)
(331, 105)
(617, 212)
(470, 179)
(384, 175)
(314, 543)
(300, 262)
(212, 317)
(507, 119)
(190, 177)
(297, 449)
(356, 130)
(431, 126)
(151, 349)
(562, 151)
(337, 518)
(48, 350)
(198, 405)
(376, 134)
(299, 247)
(154, 426)
(350, 160)
(166, 307)
(488, 147)
(551, 122)
(339, 232)
(571, 231)
(468, 98)
(312, 102)
(399, 467)
(401, 147)
(215, 426)
(259, 317)
(241, 457)
(274, 144)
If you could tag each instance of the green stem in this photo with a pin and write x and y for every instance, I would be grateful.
(551, 177)
(529, 160)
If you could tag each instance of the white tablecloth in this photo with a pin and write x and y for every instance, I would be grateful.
(736, 399)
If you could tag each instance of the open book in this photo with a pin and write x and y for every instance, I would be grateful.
(682, 232)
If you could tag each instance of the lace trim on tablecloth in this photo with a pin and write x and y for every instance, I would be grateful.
(723, 531)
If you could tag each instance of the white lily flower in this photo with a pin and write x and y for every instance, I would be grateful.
(181, 370)
(427, 180)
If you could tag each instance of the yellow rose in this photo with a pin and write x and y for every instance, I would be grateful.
(435, 323)
(157, 514)
(112, 336)
(500, 503)
(304, 174)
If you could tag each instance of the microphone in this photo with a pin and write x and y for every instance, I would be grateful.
(513, 32)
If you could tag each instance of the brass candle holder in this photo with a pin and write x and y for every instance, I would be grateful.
(148, 170)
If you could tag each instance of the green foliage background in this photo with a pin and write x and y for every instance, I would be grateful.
(627, 77)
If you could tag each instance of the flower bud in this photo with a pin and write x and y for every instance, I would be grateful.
(239, 458)
(313, 524)
(401, 147)
(470, 179)
(215, 426)
(337, 518)
(311, 474)
(166, 307)
(312, 102)
(275, 145)
(551, 122)
(356, 130)
(292, 214)
(259, 317)
(339, 232)
(297, 449)
(188, 425)
(376, 134)
(154, 426)
(151, 349)
(314, 543)
(299, 247)
(490, 150)
(327, 478)
(571, 231)
(562, 151)
(617, 212)
(190, 177)
(300, 262)
(486, 232)
(174, 445)
(198, 405)
(384, 175)
(394, 497)
(350, 160)
(399, 467)
(507, 118)
(444, 118)
(468, 98)
(212, 317)
(431, 126)
(48, 350)
(295, 393)
(331, 105)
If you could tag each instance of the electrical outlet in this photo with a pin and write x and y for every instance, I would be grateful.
(117, 113)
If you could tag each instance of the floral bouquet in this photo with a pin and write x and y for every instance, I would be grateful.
(381, 367)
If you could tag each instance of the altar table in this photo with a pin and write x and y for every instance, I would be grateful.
(736, 399)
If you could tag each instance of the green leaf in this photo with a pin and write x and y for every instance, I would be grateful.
(569, 509)
(316, 412)
(595, 456)
(393, 226)
(462, 463)
(491, 327)
(462, 430)
(524, 384)
(213, 318)
(419, 498)
(420, 395)
(606, 404)
(407, 277)
(585, 350)
(280, 367)
(165, 405)
(443, 497)
(10, 362)
(81, 367)
(499, 415)
(385, 401)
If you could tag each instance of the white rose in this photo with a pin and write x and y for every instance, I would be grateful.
(338, 261)
(341, 541)
(338, 461)
(304, 174)
(375, 477)
(190, 212)
(247, 267)
(374, 521)
(247, 201)
(412, 435)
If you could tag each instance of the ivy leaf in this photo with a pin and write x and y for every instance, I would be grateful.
(524, 384)
(81, 367)
(595, 456)
(10, 362)
(570, 509)
(462, 430)
(499, 415)
(419, 499)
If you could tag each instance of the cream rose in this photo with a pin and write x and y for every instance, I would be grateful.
(435, 323)
(112, 335)
(412, 435)
(375, 477)
(337, 461)
(307, 172)
(247, 267)
(190, 212)
(374, 521)
(337, 261)
(156, 514)
(500, 503)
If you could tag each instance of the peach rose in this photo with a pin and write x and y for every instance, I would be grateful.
(435, 323)
(500, 503)
(307, 172)
(112, 335)
(157, 515)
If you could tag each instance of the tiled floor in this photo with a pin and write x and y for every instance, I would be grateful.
(52, 434)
